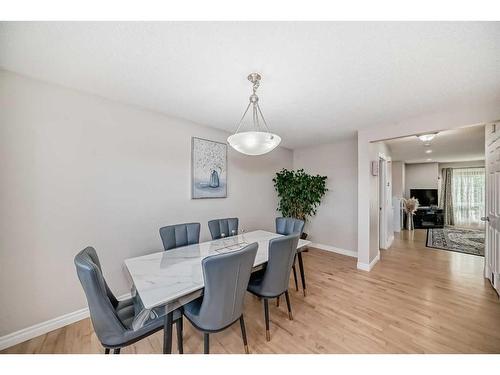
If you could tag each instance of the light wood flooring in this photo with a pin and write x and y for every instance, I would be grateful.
(415, 300)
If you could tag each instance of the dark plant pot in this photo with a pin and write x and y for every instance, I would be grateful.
(303, 236)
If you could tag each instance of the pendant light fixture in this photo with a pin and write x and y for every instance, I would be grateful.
(259, 140)
(426, 137)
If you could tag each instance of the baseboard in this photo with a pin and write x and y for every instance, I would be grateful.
(368, 267)
(42, 328)
(333, 249)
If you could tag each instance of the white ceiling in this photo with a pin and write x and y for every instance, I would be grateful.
(448, 146)
(321, 80)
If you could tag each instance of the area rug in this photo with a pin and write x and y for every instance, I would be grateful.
(468, 241)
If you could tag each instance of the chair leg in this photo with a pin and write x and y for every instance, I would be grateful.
(106, 350)
(278, 301)
(180, 330)
(244, 334)
(266, 315)
(295, 276)
(302, 275)
(206, 343)
(116, 351)
(288, 305)
(167, 333)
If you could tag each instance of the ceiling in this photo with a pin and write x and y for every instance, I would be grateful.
(448, 146)
(321, 80)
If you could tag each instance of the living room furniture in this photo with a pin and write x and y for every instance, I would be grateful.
(429, 217)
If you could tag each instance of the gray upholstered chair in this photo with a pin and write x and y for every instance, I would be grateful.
(223, 227)
(226, 279)
(179, 235)
(114, 320)
(287, 226)
(273, 280)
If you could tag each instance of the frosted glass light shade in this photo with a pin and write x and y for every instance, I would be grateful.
(427, 137)
(254, 143)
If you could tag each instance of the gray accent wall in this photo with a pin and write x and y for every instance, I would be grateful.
(78, 170)
(335, 223)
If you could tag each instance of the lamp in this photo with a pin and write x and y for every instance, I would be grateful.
(427, 137)
(260, 140)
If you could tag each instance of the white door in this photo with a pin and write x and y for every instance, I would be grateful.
(492, 218)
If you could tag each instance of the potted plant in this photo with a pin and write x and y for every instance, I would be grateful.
(299, 193)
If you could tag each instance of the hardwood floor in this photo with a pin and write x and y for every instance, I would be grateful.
(415, 300)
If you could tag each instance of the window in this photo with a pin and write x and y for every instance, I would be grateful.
(468, 185)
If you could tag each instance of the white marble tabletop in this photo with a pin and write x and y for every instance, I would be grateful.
(174, 277)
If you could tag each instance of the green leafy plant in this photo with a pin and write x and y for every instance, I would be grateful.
(299, 193)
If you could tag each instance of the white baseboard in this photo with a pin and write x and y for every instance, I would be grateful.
(368, 267)
(349, 253)
(42, 328)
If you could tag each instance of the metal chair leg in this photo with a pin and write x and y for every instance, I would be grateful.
(244, 334)
(289, 306)
(116, 351)
(206, 343)
(266, 315)
(106, 350)
(179, 327)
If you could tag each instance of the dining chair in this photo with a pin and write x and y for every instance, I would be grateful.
(226, 279)
(115, 322)
(223, 227)
(179, 235)
(287, 226)
(273, 280)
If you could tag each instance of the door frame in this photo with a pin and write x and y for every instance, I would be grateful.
(385, 240)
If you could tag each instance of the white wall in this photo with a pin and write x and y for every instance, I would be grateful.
(335, 223)
(421, 176)
(398, 179)
(79, 170)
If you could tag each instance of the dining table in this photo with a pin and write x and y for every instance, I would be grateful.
(167, 280)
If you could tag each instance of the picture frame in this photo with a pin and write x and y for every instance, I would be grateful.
(208, 169)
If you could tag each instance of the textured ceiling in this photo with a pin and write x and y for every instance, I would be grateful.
(462, 144)
(321, 81)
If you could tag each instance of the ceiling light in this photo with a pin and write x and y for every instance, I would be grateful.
(426, 137)
(259, 140)
(428, 151)
(429, 159)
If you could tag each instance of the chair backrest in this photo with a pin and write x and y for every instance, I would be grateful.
(226, 280)
(289, 225)
(179, 235)
(226, 226)
(282, 252)
(101, 301)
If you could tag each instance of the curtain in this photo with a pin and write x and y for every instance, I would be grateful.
(446, 202)
(468, 186)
